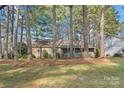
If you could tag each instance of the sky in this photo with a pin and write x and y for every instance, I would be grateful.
(120, 12)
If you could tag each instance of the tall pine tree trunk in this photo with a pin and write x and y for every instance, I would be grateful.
(54, 32)
(21, 37)
(102, 51)
(71, 31)
(81, 47)
(85, 31)
(12, 30)
(16, 33)
(6, 32)
(28, 36)
(0, 38)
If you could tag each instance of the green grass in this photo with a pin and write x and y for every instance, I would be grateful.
(80, 75)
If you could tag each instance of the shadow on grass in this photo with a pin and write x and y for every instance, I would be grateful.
(63, 76)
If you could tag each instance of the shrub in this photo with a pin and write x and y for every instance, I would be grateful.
(108, 55)
(10, 56)
(45, 54)
(117, 55)
(33, 56)
(2, 55)
(23, 48)
(19, 55)
(97, 53)
(58, 55)
(24, 56)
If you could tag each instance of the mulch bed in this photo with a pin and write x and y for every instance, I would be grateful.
(50, 62)
(5, 61)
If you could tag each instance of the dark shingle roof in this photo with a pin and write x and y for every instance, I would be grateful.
(59, 43)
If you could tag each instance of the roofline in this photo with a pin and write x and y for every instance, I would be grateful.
(60, 47)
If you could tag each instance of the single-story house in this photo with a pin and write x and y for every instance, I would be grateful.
(114, 45)
(62, 48)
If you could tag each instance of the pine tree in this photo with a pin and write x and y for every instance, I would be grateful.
(16, 33)
(85, 31)
(28, 35)
(102, 51)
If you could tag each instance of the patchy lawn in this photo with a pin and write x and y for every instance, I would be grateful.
(40, 74)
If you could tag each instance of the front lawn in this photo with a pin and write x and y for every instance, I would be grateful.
(76, 75)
